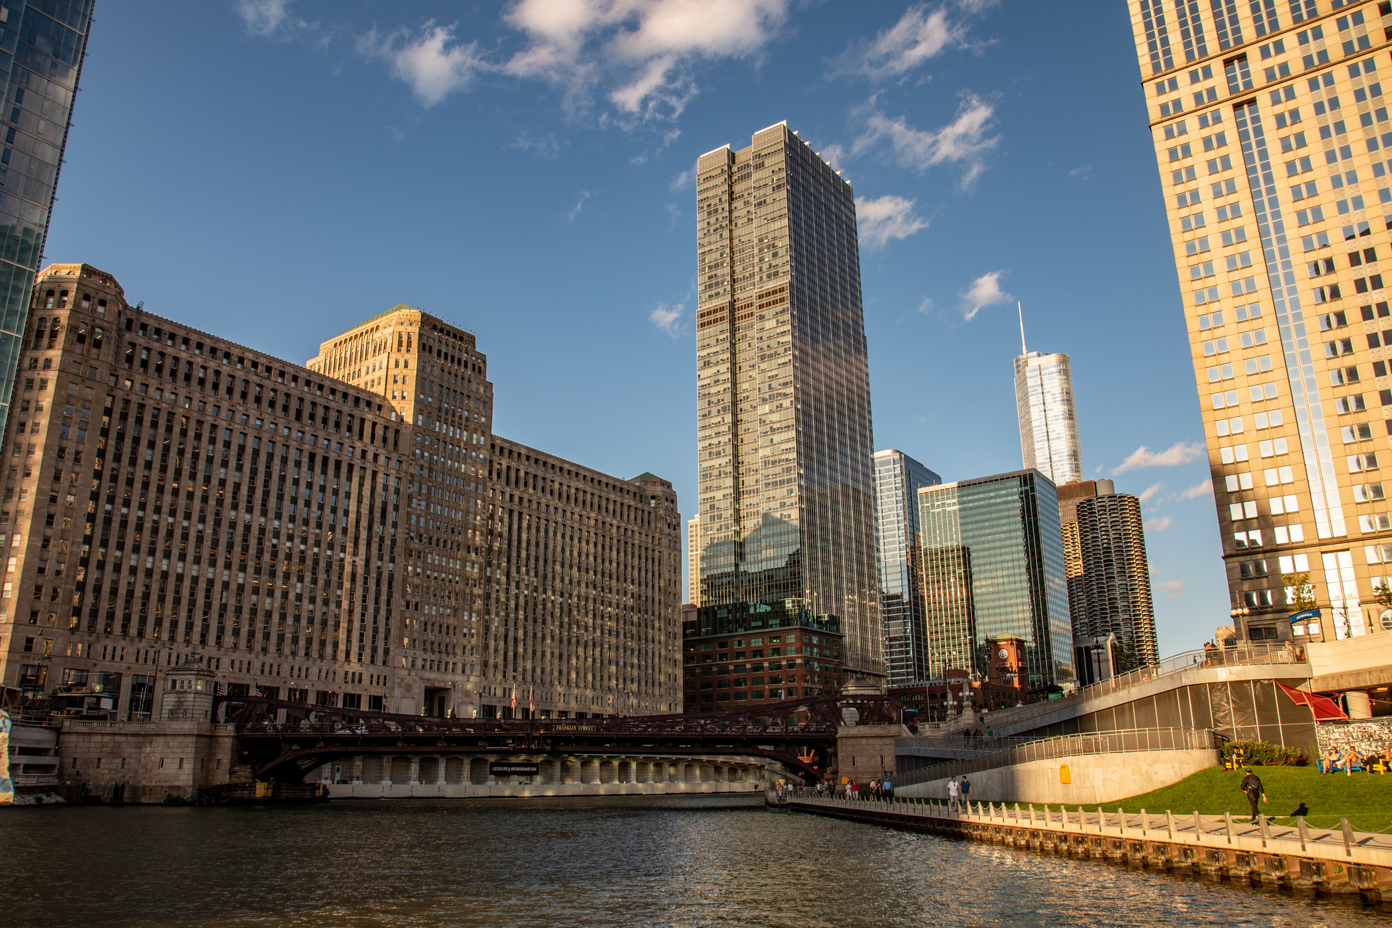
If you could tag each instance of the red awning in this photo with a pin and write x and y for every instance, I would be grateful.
(1324, 708)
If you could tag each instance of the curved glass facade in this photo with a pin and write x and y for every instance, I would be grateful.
(1048, 419)
(898, 478)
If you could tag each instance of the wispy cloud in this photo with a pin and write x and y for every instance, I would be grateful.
(546, 146)
(1083, 172)
(639, 53)
(884, 218)
(984, 291)
(1201, 489)
(667, 317)
(963, 141)
(431, 61)
(1173, 456)
(579, 205)
(1173, 587)
(264, 17)
(920, 34)
(1149, 493)
(1158, 525)
(926, 307)
(683, 180)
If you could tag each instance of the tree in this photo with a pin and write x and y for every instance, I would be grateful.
(1300, 592)
(1126, 657)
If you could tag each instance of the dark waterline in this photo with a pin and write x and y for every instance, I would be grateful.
(681, 861)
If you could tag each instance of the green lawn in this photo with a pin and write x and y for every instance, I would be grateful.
(1366, 801)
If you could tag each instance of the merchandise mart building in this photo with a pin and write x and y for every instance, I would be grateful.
(348, 533)
(787, 492)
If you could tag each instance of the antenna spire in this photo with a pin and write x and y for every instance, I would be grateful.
(1021, 308)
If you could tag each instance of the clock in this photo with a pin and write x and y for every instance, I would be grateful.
(1002, 654)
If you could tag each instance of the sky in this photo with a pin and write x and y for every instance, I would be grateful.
(276, 171)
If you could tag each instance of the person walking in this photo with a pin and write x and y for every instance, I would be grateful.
(853, 790)
(954, 795)
(1252, 786)
(966, 792)
(886, 789)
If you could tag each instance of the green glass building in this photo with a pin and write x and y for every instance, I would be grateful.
(42, 43)
(992, 556)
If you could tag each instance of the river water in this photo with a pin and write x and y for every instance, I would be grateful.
(689, 861)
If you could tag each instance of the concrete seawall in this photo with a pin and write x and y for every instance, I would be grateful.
(1079, 779)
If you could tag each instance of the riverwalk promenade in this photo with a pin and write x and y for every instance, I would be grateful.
(1294, 856)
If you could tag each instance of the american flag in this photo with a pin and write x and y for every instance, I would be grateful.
(514, 700)
(220, 690)
(256, 690)
(384, 705)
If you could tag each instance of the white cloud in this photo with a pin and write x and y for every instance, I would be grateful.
(579, 204)
(1149, 493)
(926, 307)
(546, 146)
(1173, 587)
(1173, 456)
(642, 50)
(667, 317)
(966, 139)
(984, 291)
(1158, 525)
(1083, 172)
(1201, 489)
(918, 36)
(263, 17)
(683, 180)
(885, 218)
(432, 62)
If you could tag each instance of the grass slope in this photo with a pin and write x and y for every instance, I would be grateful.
(1365, 800)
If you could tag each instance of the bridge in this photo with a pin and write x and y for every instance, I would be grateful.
(286, 740)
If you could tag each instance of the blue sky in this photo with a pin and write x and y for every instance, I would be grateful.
(277, 170)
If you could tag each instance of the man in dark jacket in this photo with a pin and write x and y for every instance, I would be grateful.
(1252, 786)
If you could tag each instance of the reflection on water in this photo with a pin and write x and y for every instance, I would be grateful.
(689, 861)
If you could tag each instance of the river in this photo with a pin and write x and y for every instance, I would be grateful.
(688, 862)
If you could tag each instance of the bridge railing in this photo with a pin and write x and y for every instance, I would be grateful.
(1107, 742)
(1240, 656)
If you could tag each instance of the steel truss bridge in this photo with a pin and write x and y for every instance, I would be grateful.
(286, 740)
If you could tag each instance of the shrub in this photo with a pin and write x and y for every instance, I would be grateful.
(1258, 753)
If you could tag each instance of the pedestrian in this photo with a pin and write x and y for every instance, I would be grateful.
(966, 791)
(1252, 786)
(887, 789)
(853, 790)
(954, 795)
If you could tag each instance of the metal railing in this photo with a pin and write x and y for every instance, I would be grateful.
(1240, 656)
(1106, 742)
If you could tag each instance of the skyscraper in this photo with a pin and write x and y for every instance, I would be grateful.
(1105, 561)
(783, 392)
(1272, 135)
(1048, 419)
(993, 568)
(898, 478)
(42, 45)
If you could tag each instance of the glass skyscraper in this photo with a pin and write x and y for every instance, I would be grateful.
(42, 43)
(898, 478)
(783, 392)
(993, 567)
(1048, 420)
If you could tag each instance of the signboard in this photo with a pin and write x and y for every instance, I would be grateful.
(1299, 620)
(6, 784)
(508, 769)
(1305, 616)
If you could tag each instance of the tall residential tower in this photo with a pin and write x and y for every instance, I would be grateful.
(1272, 135)
(783, 392)
(1048, 420)
(898, 478)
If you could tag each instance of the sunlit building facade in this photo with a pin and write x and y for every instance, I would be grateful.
(1048, 419)
(787, 511)
(693, 561)
(993, 568)
(42, 45)
(1272, 135)
(898, 478)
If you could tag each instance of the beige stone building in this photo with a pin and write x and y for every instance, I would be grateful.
(349, 532)
(693, 561)
(1272, 135)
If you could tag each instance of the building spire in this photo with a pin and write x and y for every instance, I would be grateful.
(1021, 308)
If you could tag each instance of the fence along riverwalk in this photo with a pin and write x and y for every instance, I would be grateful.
(1325, 861)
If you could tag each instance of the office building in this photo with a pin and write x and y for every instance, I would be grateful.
(1048, 418)
(693, 561)
(1108, 573)
(898, 478)
(42, 46)
(993, 568)
(749, 654)
(1272, 136)
(787, 503)
(346, 533)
